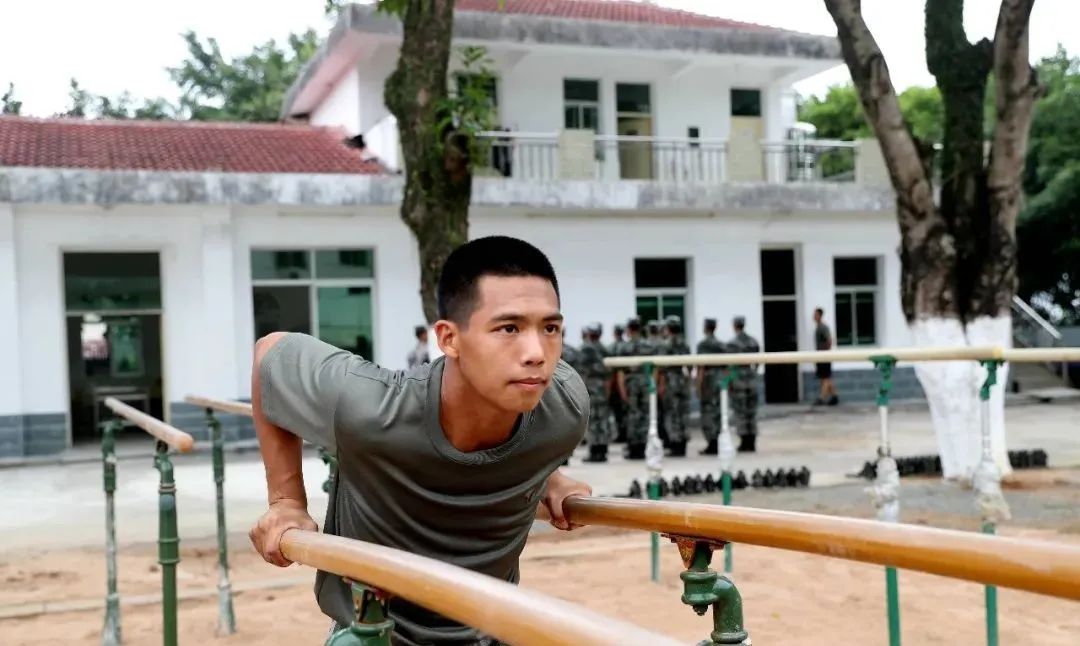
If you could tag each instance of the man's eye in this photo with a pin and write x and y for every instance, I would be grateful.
(509, 329)
(552, 329)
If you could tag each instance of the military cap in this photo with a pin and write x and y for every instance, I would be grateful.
(739, 321)
(618, 328)
(633, 323)
(673, 319)
(710, 323)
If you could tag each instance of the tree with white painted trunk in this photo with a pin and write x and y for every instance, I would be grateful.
(958, 253)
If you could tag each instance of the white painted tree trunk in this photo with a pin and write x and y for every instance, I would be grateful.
(952, 390)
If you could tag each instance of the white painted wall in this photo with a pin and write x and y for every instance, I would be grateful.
(341, 107)
(44, 234)
(208, 324)
(10, 386)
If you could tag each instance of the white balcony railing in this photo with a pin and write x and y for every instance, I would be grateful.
(582, 155)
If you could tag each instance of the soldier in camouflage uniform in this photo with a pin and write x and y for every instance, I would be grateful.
(569, 353)
(744, 388)
(596, 378)
(634, 390)
(675, 389)
(708, 387)
(618, 406)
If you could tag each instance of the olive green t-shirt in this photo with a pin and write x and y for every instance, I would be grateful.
(401, 483)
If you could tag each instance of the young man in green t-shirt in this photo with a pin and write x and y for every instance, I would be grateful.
(451, 459)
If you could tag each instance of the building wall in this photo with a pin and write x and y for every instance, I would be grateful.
(341, 107)
(208, 323)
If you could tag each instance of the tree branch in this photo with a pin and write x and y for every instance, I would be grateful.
(1017, 89)
(871, 77)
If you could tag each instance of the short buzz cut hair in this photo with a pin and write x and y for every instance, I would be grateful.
(420, 330)
(492, 256)
(819, 311)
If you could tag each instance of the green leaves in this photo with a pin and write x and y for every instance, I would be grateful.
(8, 103)
(839, 115)
(247, 88)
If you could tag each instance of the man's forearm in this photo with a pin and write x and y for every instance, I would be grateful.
(282, 452)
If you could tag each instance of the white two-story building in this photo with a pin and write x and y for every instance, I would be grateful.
(653, 154)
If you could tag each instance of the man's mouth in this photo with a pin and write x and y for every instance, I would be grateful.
(530, 383)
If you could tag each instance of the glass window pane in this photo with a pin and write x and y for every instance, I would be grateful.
(673, 304)
(865, 320)
(590, 120)
(844, 322)
(345, 319)
(648, 308)
(745, 103)
(659, 272)
(855, 271)
(280, 264)
(580, 90)
(571, 120)
(112, 281)
(281, 309)
(632, 97)
(344, 263)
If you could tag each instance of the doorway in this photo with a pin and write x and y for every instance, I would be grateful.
(779, 304)
(633, 118)
(746, 161)
(114, 341)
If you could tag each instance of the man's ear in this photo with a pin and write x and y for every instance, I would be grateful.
(448, 337)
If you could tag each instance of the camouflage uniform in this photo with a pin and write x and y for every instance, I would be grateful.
(571, 356)
(618, 406)
(637, 392)
(659, 346)
(744, 392)
(595, 375)
(676, 390)
(710, 389)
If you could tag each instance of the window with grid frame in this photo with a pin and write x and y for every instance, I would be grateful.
(661, 288)
(327, 293)
(855, 304)
(581, 104)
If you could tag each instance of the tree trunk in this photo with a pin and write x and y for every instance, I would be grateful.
(958, 257)
(438, 178)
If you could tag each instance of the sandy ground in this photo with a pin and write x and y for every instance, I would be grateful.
(788, 597)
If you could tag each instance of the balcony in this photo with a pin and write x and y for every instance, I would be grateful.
(582, 155)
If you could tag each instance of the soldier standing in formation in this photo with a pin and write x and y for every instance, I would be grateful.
(656, 336)
(633, 384)
(744, 388)
(595, 374)
(708, 388)
(674, 389)
(618, 407)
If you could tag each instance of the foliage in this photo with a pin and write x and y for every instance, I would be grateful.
(469, 106)
(840, 116)
(8, 103)
(81, 101)
(251, 87)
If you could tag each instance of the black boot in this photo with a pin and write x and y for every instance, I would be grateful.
(710, 448)
(677, 449)
(635, 452)
(746, 443)
(597, 453)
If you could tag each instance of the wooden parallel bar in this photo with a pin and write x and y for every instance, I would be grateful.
(221, 405)
(1040, 355)
(170, 435)
(507, 612)
(1044, 567)
(748, 358)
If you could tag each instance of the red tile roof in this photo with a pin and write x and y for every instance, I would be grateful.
(610, 10)
(178, 146)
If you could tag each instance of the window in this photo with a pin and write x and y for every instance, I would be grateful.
(581, 104)
(633, 98)
(693, 133)
(323, 292)
(856, 281)
(745, 103)
(660, 288)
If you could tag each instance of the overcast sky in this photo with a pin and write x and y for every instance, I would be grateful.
(117, 45)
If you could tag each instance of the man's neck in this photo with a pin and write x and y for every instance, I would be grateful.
(469, 421)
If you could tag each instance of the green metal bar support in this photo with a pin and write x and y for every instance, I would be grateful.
(371, 625)
(110, 634)
(226, 618)
(654, 455)
(726, 454)
(168, 543)
(989, 526)
(703, 587)
(885, 491)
